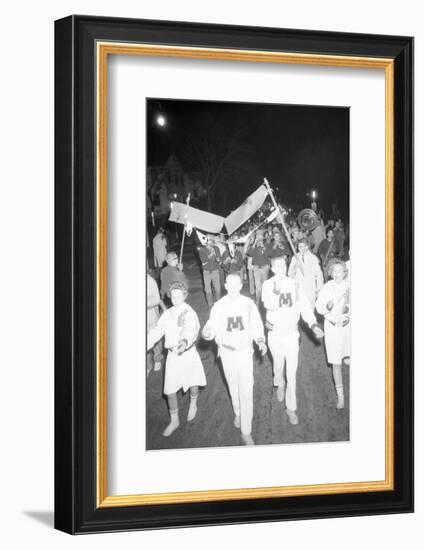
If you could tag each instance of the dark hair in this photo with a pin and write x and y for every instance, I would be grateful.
(303, 240)
(327, 231)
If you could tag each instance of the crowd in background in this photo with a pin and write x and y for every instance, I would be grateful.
(290, 272)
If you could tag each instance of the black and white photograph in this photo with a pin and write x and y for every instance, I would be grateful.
(248, 274)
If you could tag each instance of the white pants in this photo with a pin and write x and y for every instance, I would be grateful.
(284, 347)
(238, 369)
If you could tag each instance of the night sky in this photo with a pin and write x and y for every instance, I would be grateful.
(298, 148)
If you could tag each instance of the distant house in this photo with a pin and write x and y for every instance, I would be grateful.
(168, 183)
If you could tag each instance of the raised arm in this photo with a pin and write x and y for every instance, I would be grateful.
(270, 295)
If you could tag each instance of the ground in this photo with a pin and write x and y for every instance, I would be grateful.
(319, 420)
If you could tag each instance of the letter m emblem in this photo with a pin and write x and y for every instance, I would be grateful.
(235, 323)
(286, 299)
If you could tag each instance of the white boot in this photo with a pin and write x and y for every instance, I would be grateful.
(193, 408)
(173, 425)
(340, 397)
(237, 422)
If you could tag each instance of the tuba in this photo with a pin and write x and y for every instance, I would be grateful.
(307, 219)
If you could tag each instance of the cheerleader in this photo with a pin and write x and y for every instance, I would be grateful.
(183, 369)
(333, 303)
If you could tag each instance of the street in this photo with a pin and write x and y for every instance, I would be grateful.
(319, 420)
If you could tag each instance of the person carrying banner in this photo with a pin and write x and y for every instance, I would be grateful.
(285, 301)
(235, 324)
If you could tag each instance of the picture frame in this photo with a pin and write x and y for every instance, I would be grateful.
(83, 45)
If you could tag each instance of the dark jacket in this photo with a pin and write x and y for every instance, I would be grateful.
(210, 257)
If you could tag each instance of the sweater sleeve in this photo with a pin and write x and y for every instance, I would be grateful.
(257, 326)
(212, 324)
(190, 328)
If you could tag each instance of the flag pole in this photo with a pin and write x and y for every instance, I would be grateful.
(184, 231)
(274, 202)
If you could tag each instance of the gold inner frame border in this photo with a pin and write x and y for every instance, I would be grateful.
(103, 50)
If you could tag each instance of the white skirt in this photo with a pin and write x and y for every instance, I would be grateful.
(337, 342)
(183, 371)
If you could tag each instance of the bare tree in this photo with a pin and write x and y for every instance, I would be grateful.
(218, 150)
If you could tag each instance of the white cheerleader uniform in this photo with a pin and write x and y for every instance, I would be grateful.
(337, 320)
(185, 370)
(235, 323)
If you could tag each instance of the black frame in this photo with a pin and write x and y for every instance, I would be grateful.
(75, 275)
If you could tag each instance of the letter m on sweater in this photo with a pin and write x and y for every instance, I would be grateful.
(235, 323)
(286, 299)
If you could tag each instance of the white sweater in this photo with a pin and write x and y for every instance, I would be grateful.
(285, 305)
(176, 323)
(235, 322)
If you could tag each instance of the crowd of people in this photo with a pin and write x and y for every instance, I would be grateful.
(292, 276)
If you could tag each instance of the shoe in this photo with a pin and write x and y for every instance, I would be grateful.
(281, 392)
(247, 439)
(173, 425)
(293, 419)
(192, 410)
(237, 421)
(157, 366)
